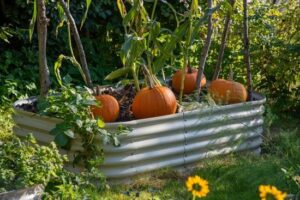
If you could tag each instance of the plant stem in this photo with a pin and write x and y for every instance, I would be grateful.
(153, 10)
(42, 22)
(186, 55)
(81, 52)
(246, 50)
(223, 43)
(69, 35)
(135, 79)
(149, 77)
(149, 59)
(205, 50)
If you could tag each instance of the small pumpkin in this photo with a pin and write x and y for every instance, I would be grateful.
(189, 81)
(154, 101)
(227, 92)
(109, 108)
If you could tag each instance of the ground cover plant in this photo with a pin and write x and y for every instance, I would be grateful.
(152, 50)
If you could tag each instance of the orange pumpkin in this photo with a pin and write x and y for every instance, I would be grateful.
(109, 108)
(153, 102)
(227, 92)
(189, 81)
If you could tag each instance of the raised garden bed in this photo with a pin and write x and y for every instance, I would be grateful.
(174, 140)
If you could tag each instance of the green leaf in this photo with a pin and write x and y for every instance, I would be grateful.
(73, 108)
(69, 133)
(169, 46)
(130, 16)
(195, 6)
(61, 140)
(57, 66)
(88, 4)
(117, 73)
(100, 123)
(227, 6)
(122, 8)
(67, 79)
(62, 18)
(32, 21)
(154, 30)
(116, 141)
(79, 123)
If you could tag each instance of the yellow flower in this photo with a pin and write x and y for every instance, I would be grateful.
(197, 186)
(266, 191)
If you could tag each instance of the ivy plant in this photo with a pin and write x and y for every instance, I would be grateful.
(72, 104)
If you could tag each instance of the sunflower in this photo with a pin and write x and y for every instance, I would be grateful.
(197, 186)
(267, 192)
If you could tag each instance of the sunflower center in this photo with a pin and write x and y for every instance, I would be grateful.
(270, 197)
(196, 187)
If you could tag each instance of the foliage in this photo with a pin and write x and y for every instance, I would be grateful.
(25, 163)
(73, 106)
(5, 123)
(34, 164)
(274, 42)
(274, 51)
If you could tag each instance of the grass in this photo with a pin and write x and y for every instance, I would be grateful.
(232, 177)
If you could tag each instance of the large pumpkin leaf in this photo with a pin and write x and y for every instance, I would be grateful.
(169, 46)
(117, 73)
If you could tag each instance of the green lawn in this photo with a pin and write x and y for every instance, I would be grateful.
(232, 177)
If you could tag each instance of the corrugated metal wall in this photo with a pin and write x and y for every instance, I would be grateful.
(173, 140)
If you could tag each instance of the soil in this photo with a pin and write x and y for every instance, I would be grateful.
(123, 95)
(125, 98)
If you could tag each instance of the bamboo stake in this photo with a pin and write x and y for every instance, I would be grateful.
(246, 51)
(223, 43)
(205, 50)
(42, 23)
(81, 52)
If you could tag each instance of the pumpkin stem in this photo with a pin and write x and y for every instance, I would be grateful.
(189, 68)
(230, 75)
(98, 90)
(149, 78)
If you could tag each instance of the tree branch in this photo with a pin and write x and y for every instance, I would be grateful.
(246, 51)
(75, 34)
(223, 43)
(42, 23)
(205, 50)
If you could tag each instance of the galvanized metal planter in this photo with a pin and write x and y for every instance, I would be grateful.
(32, 193)
(168, 141)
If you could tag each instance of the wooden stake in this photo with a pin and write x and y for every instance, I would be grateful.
(205, 50)
(223, 43)
(246, 51)
(81, 52)
(42, 23)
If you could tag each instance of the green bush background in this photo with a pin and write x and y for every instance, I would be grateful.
(274, 38)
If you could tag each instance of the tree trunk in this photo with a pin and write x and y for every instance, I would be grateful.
(246, 51)
(205, 50)
(75, 34)
(42, 23)
(223, 43)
